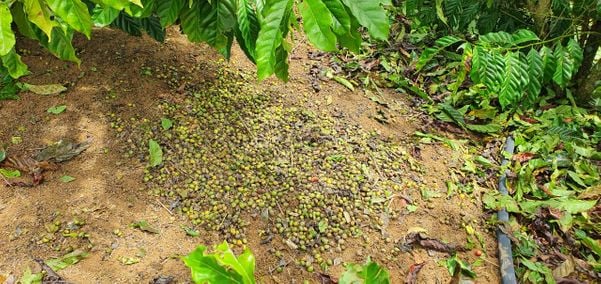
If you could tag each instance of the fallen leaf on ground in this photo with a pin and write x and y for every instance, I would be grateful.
(411, 277)
(50, 89)
(326, 279)
(144, 226)
(67, 179)
(523, 157)
(62, 150)
(66, 260)
(57, 109)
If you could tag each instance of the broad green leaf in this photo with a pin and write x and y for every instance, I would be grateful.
(373, 273)
(515, 79)
(535, 73)
(440, 12)
(67, 179)
(104, 16)
(572, 206)
(117, 4)
(281, 66)
(24, 26)
(485, 128)
(152, 26)
(341, 21)
(430, 52)
(7, 37)
(2, 155)
(66, 260)
(39, 14)
(143, 225)
(522, 36)
(61, 46)
(576, 53)
(371, 15)
(141, 11)
(168, 11)
(57, 109)
(351, 40)
(244, 265)
(128, 24)
(73, 12)
(166, 123)
(549, 63)
(270, 36)
(317, 21)
(565, 66)
(12, 61)
(156, 153)
(10, 173)
(206, 268)
(588, 242)
(248, 29)
(31, 278)
(212, 23)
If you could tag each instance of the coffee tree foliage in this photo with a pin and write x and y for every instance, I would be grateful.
(261, 27)
(517, 49)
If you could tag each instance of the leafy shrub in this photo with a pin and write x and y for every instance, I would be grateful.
(261, 27)
(223, 266)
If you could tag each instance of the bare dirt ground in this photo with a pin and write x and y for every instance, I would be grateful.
(109, 194)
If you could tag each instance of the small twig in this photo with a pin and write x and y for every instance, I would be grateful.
(163, 205)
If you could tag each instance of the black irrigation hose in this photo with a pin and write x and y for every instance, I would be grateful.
(504, 243)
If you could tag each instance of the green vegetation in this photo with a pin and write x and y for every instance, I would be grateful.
(261, 28)
(223, 266)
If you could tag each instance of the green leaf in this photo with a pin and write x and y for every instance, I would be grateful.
(373, 273)
(39, 14)
(153, 28)
(570, 205)
(244, 265)
(24, 25)
(317, 21)
(73, 12)
(144, 226)
(2, 155)
(67, 179)
(430, 52)
(522, 36)
(12, 61)
(270, 36)
(370, 272)
(156, 153)
(440, 12)
(485, 128)
(212, 23)
(7, 37)
(66, 260)
(576, 53)
(248, 29)
(142, 11)
(31, 278)
(589, 242)
(549, 63)
(57, 109)
(166, 123)
(565, 66)
(281, 66)
(515, 79)
(206, 268)
(535, 73)
(10, 173)
(128, 24)
(61, 46)
(371, 15)
(341, 20)
(168, 11)
(191, 231)
(104, 16)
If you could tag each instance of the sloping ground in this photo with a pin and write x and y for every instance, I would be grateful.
(123, 80)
